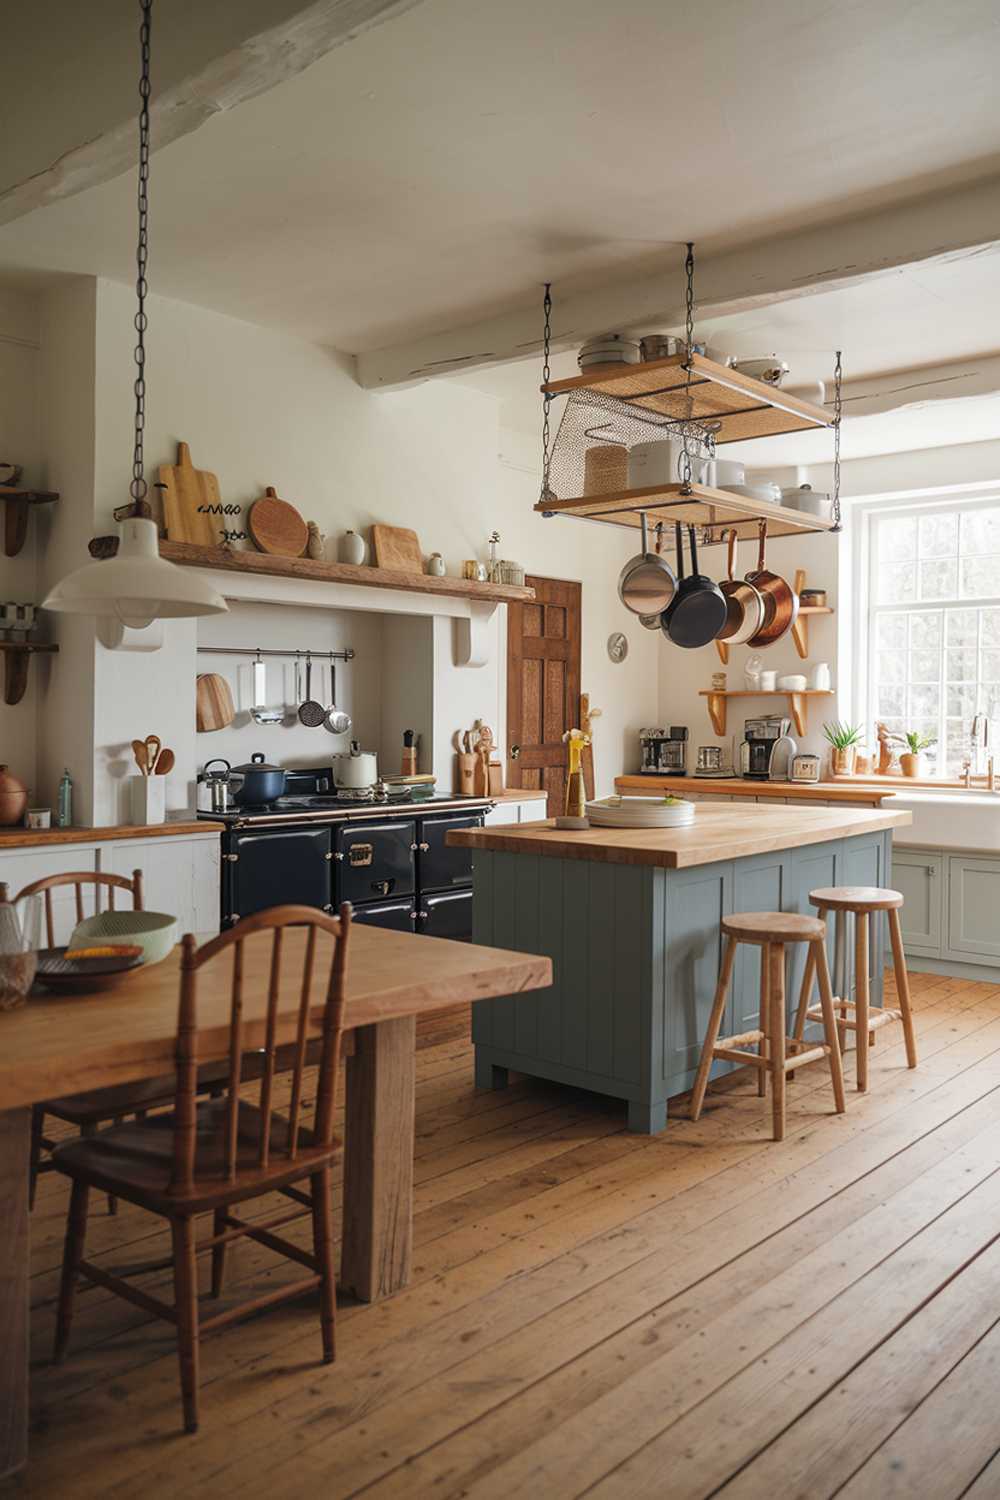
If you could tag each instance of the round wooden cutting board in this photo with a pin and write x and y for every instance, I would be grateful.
(276, 527)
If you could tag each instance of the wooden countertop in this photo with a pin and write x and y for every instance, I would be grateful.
(58, 1045)
(26, 838)
(858, 793)
(719, 831)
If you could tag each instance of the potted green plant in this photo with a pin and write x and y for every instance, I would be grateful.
(911, 761)
(844, 739)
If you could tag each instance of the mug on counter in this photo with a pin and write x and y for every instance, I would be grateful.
(38, 817)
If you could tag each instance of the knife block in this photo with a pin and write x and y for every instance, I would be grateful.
(467, 774)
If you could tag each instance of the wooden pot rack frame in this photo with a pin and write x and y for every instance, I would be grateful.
(16, 656)
(16, 506)
(230, 560)
(739, 407)
(799, 631)
(797, 703)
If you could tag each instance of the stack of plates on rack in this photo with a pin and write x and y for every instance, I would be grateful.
(640, 812)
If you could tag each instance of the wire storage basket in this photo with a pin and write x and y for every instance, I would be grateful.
(601, 447)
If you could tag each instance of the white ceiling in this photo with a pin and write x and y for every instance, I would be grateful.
(442, 166)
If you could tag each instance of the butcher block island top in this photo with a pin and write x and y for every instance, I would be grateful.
(719, 831)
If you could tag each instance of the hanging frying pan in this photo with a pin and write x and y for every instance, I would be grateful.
(647, 583)
(744, 604)
(781, 602)
(697, 611)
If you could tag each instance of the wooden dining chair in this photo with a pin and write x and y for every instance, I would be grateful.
(206, 1157)
(87, 1111)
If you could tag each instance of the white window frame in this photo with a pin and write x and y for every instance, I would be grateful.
(862, 635)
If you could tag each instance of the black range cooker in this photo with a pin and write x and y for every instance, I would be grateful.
(316, 848)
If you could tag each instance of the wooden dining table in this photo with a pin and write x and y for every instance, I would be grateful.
(58, 1045)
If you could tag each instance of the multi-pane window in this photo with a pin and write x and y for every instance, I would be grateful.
(934, 636)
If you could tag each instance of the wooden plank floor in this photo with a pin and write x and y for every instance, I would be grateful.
(592, 1312)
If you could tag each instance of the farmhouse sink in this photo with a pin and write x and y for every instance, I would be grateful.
(950, 819)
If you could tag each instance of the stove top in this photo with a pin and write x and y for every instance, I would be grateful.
(311, 797)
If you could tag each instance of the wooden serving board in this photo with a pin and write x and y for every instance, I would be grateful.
(214, 707)
(397, 549)
(276, 527)
(189, 498)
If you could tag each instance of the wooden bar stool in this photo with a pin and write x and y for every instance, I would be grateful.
(771, 931)
(859, 1015)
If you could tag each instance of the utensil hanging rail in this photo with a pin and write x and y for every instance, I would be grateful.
(346, 655)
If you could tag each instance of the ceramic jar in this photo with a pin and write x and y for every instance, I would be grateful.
(435, 565)
(821, 679)
(352, 549)
(13, 798)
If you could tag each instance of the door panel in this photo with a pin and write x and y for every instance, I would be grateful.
(973, 904)
(375, 861)
(447, 915)
(398, 916)
(918, 877)
(290, 865)
(543, 686)
(440, 867)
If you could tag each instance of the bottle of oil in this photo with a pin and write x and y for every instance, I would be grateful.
(64, 806)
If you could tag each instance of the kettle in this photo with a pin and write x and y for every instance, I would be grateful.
(217, 785)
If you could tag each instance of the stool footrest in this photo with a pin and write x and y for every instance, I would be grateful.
(846, 1015)
(813, 1053)
(730, 1054)
(745, 1039)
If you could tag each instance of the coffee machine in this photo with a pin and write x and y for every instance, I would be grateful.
(761, 738)
(664, 751)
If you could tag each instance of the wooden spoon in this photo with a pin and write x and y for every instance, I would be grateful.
(141, 757)
(164, 763)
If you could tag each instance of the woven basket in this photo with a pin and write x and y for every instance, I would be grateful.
(605, 469)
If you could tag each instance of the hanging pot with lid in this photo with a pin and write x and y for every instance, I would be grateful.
(698, 610)
(261, 782)
(647, 582)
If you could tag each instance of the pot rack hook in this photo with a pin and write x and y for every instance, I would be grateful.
(838, 412)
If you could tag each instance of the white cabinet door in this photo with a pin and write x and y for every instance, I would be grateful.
(533, 812)
(973, 932)
(21, 867)
(918, 875)
(180, 875)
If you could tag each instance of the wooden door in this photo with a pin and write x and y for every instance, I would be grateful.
(543, 686)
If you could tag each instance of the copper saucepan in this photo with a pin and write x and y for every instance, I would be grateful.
(781, 602)
(745, 608)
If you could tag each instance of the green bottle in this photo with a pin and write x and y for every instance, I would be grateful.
(64, 814)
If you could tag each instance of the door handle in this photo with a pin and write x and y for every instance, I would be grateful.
(515, 752)
(422, 847)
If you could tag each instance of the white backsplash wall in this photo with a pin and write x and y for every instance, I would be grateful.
(280, 627)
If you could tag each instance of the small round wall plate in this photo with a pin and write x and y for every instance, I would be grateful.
(617, 647)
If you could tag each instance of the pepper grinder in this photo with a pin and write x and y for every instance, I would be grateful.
(409, 762)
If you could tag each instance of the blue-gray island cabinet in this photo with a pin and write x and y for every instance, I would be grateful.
(631, 921)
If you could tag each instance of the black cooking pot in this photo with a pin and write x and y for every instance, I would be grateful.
(698, 610)
(261, 782)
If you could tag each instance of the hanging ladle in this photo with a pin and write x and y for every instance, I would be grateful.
(336, 721)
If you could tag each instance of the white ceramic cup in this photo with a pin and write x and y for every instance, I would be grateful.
(768, 682)
(38, 817)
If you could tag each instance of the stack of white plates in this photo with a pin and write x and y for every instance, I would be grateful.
(640, 812)
(609, 349)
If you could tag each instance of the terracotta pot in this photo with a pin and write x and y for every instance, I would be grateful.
(843, 760)
(911, 765)
(13, 798)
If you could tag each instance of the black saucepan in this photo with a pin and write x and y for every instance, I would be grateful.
(697, 611)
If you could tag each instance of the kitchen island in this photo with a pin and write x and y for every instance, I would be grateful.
(630, 919)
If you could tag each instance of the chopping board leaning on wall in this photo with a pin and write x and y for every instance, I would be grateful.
(192, 507)
(543, 686)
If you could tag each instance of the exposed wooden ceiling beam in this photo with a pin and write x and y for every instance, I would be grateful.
(799, 263)
(240, 62)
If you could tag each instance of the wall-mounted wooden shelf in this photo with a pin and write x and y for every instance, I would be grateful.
(797, 704)
(744, 408)
(233, 561)
(16, 505)
(800, 630)
(16, 656)
(703, 507)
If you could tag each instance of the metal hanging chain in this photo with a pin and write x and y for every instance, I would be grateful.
(138, 487)
(838, 411)
(689, 337)
(546, 492)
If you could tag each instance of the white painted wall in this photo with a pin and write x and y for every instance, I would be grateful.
(19, 443)
(260, 408)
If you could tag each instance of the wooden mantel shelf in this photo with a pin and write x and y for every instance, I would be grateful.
(230, 560)
(16, 656)
(16, 503)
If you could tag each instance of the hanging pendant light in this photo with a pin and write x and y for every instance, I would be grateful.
(137, 585)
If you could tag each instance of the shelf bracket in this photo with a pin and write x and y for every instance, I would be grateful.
(800, 630)
(472, 635)
(800, 712)
(717, 713)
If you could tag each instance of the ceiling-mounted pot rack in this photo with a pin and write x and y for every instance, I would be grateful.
(693, 400)
(290, 654)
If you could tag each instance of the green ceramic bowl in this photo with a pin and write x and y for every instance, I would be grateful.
(154, 931)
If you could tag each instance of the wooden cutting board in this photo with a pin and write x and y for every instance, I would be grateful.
(214, 707)
(276, 527)
(188, 493)
(397, 549)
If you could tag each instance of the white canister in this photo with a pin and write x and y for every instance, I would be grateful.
(768, 682)
(821, 679)
(435, 565)
(352, 548)
(148, 799)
